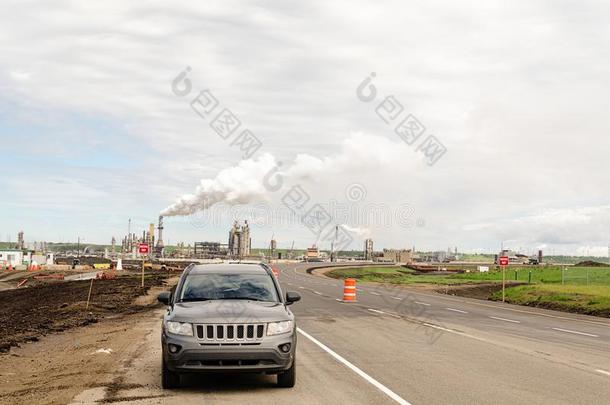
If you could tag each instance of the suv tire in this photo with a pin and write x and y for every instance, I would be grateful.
(288, 378)
(169, 379)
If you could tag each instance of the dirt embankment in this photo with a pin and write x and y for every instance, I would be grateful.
(481, 291)
(30, 313)
(590, 263)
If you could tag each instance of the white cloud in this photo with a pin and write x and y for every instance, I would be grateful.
(517, 93)
(598, 251)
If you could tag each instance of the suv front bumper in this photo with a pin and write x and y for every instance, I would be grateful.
(194, 356)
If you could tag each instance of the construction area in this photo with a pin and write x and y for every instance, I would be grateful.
(50, 305)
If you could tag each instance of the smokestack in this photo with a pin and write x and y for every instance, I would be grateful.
(151, 236)
(540, 256)
(20, 241)
(160, 244)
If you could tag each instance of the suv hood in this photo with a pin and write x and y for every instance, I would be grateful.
(229, 311)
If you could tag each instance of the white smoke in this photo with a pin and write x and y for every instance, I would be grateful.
(245, 184)
(360, 231)
(359, 153)
(240, 184)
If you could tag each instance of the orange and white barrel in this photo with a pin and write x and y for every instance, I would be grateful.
(349, 290)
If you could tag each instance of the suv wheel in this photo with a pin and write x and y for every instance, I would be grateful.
(288, 378)
(169, 379)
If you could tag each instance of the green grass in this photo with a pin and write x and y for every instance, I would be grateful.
(394, 275)
(546, 289)
(593, 300)
(542, 274)
(546, 275)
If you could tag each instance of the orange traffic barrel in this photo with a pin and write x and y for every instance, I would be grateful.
(349, 290)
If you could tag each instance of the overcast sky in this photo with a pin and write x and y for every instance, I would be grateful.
(515, 91)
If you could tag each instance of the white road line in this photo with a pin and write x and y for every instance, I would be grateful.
(397, 298)
(376, 311)
(422, 303)
(375, 293)
(315, 292)
(575, 332)
(456, 310)
(355, 369)
(301, 287)
(337, 299)
(603, 372)
(393, 315)
(442, 328)
(504, 319)
(457, 332)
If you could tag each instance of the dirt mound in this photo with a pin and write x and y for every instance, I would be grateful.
(591, 263)
(29, 313)
(481, 291)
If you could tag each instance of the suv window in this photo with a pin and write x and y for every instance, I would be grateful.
(215, 286)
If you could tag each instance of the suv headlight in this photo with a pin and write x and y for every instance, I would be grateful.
(277, 328)
(179, 328)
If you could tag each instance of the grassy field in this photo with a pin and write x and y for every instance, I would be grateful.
(542, 275)
(583, 289)
(592, 300)
(395, 275)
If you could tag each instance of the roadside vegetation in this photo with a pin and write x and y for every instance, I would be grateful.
(583, 289)
(591, 300)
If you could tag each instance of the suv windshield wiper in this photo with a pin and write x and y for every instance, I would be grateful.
(243, 298)
(193, 299)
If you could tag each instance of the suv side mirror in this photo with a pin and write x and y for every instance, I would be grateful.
(165, 297)
(292, 297)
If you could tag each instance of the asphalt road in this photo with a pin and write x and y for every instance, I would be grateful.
(403, 346)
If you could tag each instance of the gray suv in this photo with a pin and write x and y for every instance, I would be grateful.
(228, 318)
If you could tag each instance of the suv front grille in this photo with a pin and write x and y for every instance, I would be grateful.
(231, 333)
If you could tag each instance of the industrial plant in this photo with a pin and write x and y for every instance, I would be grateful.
(147, 245)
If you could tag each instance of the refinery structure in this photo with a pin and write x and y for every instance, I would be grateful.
(148, 245)
(239, 240)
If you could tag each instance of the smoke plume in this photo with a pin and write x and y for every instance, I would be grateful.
(245, 183)
(240, 184)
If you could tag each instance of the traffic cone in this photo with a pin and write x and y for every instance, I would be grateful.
(349, 290)
(10, 267)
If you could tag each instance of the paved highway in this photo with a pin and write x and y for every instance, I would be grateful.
(404, 346)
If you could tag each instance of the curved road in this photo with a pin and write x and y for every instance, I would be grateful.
(398, 345)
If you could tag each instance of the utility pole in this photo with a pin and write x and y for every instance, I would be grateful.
(503, 283)
(271, 248)
(333, 257)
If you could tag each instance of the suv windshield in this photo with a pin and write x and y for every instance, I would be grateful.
(203, 287)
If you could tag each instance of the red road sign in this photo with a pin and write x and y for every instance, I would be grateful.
(143, 248)
(503, 261)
